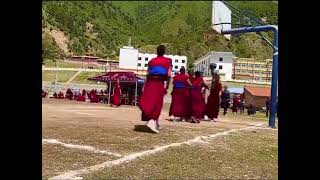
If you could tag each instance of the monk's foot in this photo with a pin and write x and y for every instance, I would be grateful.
(152, 125)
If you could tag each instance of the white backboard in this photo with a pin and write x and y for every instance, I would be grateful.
(221, 14)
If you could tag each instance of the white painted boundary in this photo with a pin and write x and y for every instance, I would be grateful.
(75, 174)
(81, 147)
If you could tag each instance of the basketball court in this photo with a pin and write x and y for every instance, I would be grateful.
(95, 141)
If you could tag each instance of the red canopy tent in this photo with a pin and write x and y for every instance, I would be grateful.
(113, 76)
(122, 76)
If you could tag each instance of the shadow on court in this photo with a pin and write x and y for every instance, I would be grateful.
(143, 128)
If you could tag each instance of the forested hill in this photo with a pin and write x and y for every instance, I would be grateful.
(101, 28)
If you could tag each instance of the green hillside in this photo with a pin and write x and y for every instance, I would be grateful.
(101, 28)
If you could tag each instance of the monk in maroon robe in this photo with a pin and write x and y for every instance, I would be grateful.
(55, 95)
(180, 95)
(82, 96)
(61, 95)
(198, 106)
(191, 78)
(151, 101)
(236, 103)
(116, 94)
(44, 93)
(69, 94)
(94, 96)
(212, 107)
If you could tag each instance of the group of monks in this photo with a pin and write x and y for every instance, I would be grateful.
(188, 97)
(92, 95)
(188, 101)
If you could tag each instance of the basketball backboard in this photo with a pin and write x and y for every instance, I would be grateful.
(221, 14)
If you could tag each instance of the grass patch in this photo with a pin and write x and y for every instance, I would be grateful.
(58, 159)
(241, 155)
(82, 78)
(63, 76)
(66, 64)
(62, 64)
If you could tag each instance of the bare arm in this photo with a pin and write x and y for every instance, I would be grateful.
(168, 82)
(169, 77)
(205, 84)
(189, 82)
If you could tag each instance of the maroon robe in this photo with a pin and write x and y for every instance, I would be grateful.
(151, 100)
(235, 103)
(212, 107)
(94, 97)
(116, 95)
(198, 105)
(44, 93)
(180, 96)
(69, 94)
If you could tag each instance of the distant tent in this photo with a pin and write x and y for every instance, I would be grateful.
(122, 76)
(125, 78)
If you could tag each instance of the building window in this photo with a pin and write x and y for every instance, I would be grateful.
(146, 65)
(139, 64)
(176, 61)
(175, 67)
(221, 59)
(146, 59)
(183, 61)
(139, 58)
(220, 66)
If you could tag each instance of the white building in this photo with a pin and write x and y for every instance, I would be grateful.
(224, 61)
(130, 58)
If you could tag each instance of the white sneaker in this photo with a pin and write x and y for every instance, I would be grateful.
(152, 125)
(206, 118)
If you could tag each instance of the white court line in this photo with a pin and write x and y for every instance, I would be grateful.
(82, 147)
(75, 174)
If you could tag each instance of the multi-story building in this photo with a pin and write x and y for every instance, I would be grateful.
(250, 69)
(223, 60)
(131, 58)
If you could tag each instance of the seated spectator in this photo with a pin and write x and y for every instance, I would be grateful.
(55, 95)
(94, 97)
(89, 94)
(82, 97)
(69, 94)
(60, 95)
(76, 94)
(101, 92)
(84, 92)
(44, 93)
